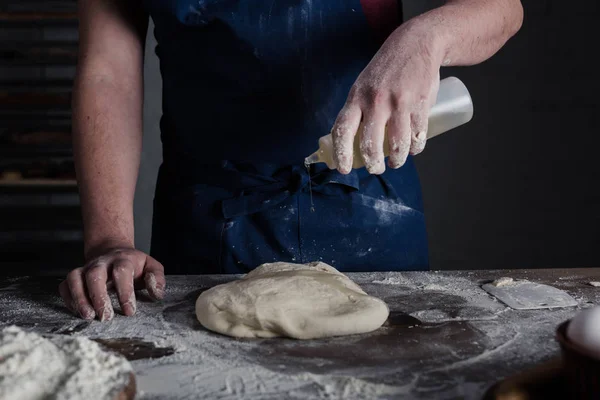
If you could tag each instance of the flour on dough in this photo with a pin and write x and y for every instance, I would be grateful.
(302, 301)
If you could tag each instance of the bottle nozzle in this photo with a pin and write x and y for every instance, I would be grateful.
(312, 159)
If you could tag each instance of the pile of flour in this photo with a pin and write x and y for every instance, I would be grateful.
(59, 367)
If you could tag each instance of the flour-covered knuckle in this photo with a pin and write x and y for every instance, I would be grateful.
(371, 144)
(123, 273)
(418, 131)
(294, 300)
(343, 134)
(154, 278)
(105, 311)
(399, 139)
(96, 278)
(75, 282)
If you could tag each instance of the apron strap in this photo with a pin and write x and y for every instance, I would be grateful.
(254, 188)
(290, 181)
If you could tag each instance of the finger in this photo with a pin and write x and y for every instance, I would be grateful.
(63, 290)
(343, 133)
(154, 277)
(96, 278)
(399, 139)
(122, 272)
(418, 124)
(75, 283)
(371, 142)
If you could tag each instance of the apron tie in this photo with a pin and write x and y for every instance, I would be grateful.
(287, 183)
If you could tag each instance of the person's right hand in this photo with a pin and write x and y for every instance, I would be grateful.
(85, 291)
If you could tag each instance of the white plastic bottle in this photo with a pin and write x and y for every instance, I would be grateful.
(453, 108)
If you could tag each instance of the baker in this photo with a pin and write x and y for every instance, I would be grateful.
(248, 88)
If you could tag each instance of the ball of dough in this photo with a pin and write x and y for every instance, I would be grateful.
(584, 330)
(294, 300)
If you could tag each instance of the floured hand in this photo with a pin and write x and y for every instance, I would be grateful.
(85, 291)
(397, 90)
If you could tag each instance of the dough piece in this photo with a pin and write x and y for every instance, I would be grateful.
(294, 300)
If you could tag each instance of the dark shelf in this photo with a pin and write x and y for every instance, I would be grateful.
(36, 122)
(35, 219)
(40, 216)
(36, 85)
(38, 199)
(28, 117)
(10, 19)
(30, 256)
(35, 99)
(38, 6)
(16, 151)
(57, 137)
(40, 170)
(38, 187)
(15, 238)
(38, 53)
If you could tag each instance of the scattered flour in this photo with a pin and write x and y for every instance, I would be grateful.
(468, 302)
(391, 281)
(431, 366)
(388, 210)
(434, 286)
(58, 367)
(504, 281)
(257, 382)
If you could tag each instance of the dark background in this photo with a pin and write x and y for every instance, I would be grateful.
(517, 187)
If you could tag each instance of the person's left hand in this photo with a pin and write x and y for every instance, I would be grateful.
(397, 89)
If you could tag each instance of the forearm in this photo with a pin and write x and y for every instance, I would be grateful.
(467, 32)
(107, 144)
(107, 119)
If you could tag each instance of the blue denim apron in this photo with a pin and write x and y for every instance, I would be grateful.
(248, 88)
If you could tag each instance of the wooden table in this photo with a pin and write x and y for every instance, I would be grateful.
(446, 338)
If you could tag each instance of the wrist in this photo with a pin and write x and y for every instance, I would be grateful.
(98, 246)
(102, 231)
(433, 38)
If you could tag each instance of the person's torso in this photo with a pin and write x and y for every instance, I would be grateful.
(249, 82)
(260, 81)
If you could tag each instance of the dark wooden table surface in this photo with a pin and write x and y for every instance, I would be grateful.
(446, 338)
